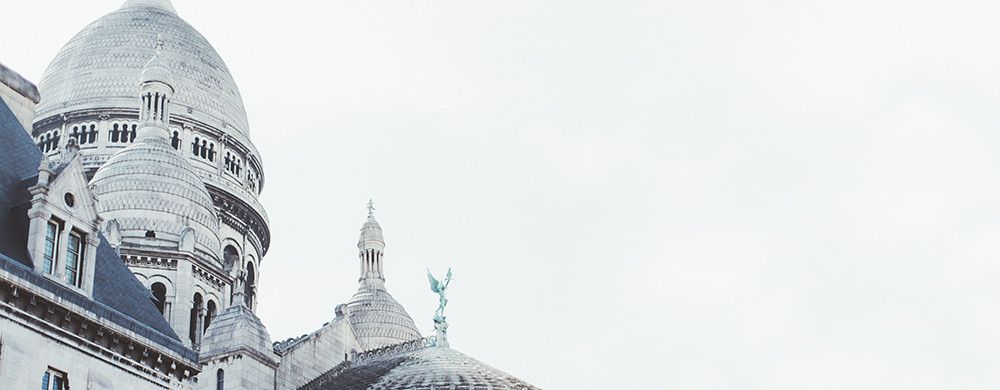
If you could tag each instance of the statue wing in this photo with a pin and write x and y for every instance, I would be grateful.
(435, 284)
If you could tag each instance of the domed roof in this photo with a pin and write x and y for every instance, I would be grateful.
(378, 320)
(101, 65)
(371, 232)
(413, 366)
(148, 186)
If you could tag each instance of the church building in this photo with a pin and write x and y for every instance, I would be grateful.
(132, 239)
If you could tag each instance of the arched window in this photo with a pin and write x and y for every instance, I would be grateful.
(211, 152)
(196, 306)
(220, 380)
(204, 149)
(159, 296)
(249, 288)
(175, 141)
(194, 146)
(230, 256)
(92, 136)
(114, 133)
(210, 315)
(131, 134)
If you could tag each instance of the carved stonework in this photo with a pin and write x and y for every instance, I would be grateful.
(149, 262)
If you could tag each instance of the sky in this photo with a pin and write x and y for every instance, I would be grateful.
(631, 194)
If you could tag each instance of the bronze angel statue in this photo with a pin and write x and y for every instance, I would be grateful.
(439, 288)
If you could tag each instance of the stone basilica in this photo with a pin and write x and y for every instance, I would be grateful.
(132, 238)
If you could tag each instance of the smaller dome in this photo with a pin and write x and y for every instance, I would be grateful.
(371, 231)
(378, 320)
(156, 69)
(154, 196)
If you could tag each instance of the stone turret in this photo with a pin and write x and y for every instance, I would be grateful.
(378, 320)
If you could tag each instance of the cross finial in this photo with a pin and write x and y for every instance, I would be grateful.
(371, 207)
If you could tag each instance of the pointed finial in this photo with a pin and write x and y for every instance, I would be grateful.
(371, 207)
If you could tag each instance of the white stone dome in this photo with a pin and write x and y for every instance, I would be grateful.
(378, 319)
(148, 187)
(100, 68)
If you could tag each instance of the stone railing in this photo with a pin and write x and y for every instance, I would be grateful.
(393, 350)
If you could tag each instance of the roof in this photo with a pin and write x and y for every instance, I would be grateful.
(100, 68)
(118, 296)
(378, 319)
(149, 186)
(416, 365)
(19, 84)
(238, 329)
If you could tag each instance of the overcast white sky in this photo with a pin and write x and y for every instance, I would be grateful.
(633, 194)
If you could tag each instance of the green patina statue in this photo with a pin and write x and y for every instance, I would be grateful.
(440, 325)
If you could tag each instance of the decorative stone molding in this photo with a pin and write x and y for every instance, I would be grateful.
(207, 277)
(150, 262)
(107, 341)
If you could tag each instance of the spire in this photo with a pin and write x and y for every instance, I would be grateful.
(370, 247)
(156, 90)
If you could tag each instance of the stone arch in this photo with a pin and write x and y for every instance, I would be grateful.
(230, 253)
(211, 310)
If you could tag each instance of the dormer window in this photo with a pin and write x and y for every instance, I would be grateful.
(74, 258)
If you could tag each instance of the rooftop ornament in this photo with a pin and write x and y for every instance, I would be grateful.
(440, 321)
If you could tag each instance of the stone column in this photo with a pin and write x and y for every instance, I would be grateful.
(89, 263)
(199, 329)
(59, 263)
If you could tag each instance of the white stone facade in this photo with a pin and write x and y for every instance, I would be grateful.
(140, 123)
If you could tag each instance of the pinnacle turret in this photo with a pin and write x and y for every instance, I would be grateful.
(370, 248)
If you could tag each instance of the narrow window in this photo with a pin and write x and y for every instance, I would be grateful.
(114, 133)
(51, 239)
(195, 309)
(159, 296)
(132, 134)
(249, 288)
(175, 141)
(74, 257)
(220, 380)
(210, 315)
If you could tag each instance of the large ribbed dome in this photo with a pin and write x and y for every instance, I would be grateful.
(100, 67)
(378, 320)
(416, 366)
(148, 187)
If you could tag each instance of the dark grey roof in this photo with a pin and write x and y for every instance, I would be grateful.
(18, 83)
(415, 365)
(118, 295)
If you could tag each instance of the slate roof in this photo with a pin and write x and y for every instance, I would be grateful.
(118, 296)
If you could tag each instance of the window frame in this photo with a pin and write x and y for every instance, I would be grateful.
(50, 253)
(53, 379)
(74, 270)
